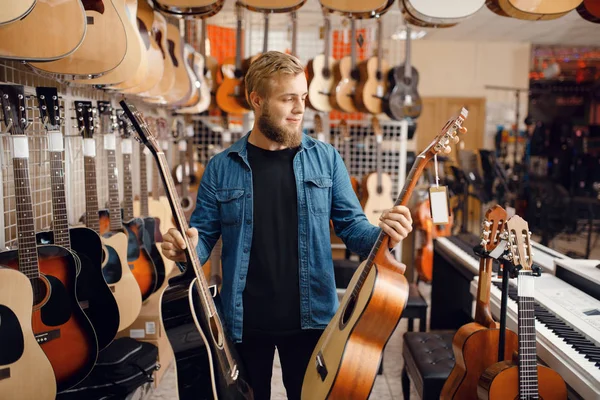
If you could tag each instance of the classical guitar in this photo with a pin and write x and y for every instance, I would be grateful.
(111, 221)
(231, 92)
(167, 80)
(25, 370)
(590, 11)
(525, 379)
(533, 11)
(346, 154)
(115, 269)
(403, 100)
(320, 76)
(11, 11)
(475, 345)
(189, 8)
(376, 186)
(372, 83)
(93, 294)
(345, 76)
(440, 12)
(190, 312)
(346, 359)
(103, 48)
(60, 326)
(24, 40)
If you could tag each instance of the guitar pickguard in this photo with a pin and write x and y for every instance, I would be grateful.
(11, 336)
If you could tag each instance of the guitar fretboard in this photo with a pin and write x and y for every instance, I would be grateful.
(92, 219)
(143, 184)
(28, 259)
(127, 189)
(60, 220)
(528, 377)
(113, 192)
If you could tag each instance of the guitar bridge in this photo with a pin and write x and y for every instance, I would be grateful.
(321, 367)
(4, 373)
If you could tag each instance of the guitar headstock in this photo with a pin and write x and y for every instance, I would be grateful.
(49, 105)
(140, 126)
(448, 134)
(318, 122)
(519, 243)
(85, 118)
(14, 109)
(107, 117)
(493, 226)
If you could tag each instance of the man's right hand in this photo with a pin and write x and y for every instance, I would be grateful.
(173, 245)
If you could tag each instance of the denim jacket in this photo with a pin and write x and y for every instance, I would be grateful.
(224, 208)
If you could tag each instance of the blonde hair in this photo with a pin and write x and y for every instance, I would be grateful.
(267, 66)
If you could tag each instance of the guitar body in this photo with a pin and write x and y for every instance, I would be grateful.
(103, 48)
(356, 336)
(341, 97)
(424, 254)
(120, 279)
(93, 293)
(27, 372)
(212, 70)
(320, 83)
(532, 10)
(230, 89)
(442, 12)
(590, 11)
(202, 99)
(376, 199)
(204, 8)
(400, 88)
(152, 236)
(11, 11)
(182, 89)
(357, 6)
(501, 381)
(371, 86)
(64, 28)
(193, 342)
(60, 326)
(275, 6)
(475, 348)
(167, 81)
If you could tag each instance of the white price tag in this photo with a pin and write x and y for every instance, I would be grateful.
(126, 146)
(164, 145)
(379, 138)
(379, 91)
(438, 199)
(321, 136)
(110, 141)
(55, 141)
(89, 147)
(137, 333)
(150, 328)
(226, 136)
(20, 147)
(189, 131)
(182, 145)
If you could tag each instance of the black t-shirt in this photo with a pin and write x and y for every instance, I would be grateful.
(272, 294)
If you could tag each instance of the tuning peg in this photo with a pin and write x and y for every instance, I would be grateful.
(455, 139)
(447, 150)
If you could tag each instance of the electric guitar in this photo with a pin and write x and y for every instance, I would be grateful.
(190, 311)
(525, 379)
(346, 359)
(320, 76)
(93, 294)
(60, 326)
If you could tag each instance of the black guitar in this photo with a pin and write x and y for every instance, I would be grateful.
(207, 363)
(402, 99)
(94, 295)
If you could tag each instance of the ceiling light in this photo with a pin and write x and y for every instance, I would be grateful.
(400, 34)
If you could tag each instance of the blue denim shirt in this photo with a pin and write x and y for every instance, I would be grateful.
(224, 208)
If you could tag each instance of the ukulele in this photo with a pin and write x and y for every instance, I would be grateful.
(403, 100)
(58, 322)
(115, 269)
(12, 11)
(93, 294)
(25, 370)
(475, 345)
(441, 12)
(372, 84)
(52, 30)
(590, 11)
(320, 78)
(524, 379)
(345, 77)
(346, 359)
(191, 311)
(533, 11)
(377, 186)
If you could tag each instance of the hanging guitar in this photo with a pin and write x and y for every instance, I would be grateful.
(320, 75)
(190, 311)
(346, 359)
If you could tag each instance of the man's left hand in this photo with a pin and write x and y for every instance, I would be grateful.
(397, 223)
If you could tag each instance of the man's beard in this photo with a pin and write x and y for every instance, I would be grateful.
(288, 137)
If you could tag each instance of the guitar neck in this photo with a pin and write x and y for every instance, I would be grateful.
(294, 33)
(266, 33)
(379, 49)
(184, 175)
(113, 192)
(92, 219)
(155, 182)
(347, 153)
(327, 41)
(144, 210)
(60, 220)
(353, 42)
(483, 315)
(238, 42)
(203, 37)
(407, 66)
(528, 377)
(378, 139)
(127, 188)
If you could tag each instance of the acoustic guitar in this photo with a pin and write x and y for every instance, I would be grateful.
(272, 6)
(590, 11)
(24, 40)
(11, 11)
(191, 312)
(476, 344)
(439, 12)
(103, 48)
(525, 379)
(346, 359)
(25, 370)
(533, 11)
(345, 76)
(93, 294)
(376, 186)
(60, 326)
(159, 32)
(372, 83)
(183, 88)
(189, 8)
(403, 100)
(358, 8)
(320, 76)
(115, 270)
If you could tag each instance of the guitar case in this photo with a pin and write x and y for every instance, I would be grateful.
(122, 367)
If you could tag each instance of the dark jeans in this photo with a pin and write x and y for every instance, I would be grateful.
(257, 354)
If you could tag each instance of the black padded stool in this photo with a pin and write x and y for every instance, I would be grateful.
(416, 307)
(428, 360)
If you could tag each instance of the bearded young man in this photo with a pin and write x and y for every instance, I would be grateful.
(271, 196)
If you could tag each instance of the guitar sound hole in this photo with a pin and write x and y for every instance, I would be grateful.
(326, 73)
(185, 202)
(378, 75)
(40, 291)
(348, 311)
(407, 81)
(355, 74)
